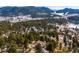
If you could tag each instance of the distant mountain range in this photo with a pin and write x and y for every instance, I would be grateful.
(40, 12)
(15, 11)
(69, 10)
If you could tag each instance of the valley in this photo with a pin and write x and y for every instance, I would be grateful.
(38, 30)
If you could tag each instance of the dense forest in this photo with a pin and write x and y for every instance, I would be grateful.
(37, 36)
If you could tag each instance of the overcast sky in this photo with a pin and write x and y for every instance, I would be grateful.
(55, 3)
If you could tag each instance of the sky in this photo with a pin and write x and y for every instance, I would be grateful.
(53, 4)
(62, 7)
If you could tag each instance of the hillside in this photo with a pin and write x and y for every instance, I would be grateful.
(15, 11)
(69, 10)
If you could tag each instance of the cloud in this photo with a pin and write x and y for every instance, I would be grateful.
(39, 2)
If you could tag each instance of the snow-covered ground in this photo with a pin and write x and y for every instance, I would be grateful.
(71, 25)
